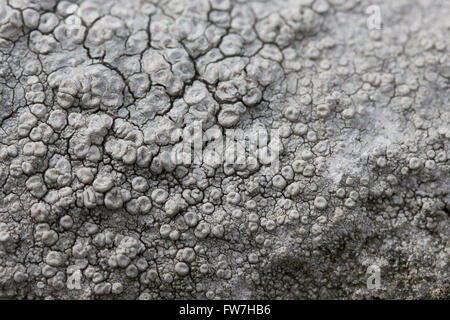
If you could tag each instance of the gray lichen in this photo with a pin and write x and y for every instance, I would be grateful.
(94, 95)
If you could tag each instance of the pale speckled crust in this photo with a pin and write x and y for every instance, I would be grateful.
(91, 91)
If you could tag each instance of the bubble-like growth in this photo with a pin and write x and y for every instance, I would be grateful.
(224, 149)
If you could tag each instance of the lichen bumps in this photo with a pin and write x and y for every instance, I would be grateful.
(224, 149)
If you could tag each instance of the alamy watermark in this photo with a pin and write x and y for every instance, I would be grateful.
(374, 277)
(374, 21)
(74, 280)
(216, 146)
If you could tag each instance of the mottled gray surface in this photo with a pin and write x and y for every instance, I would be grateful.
(92, 208)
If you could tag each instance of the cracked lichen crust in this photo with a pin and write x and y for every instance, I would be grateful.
(92, 205)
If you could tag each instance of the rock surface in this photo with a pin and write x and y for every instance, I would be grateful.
(348, 197)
